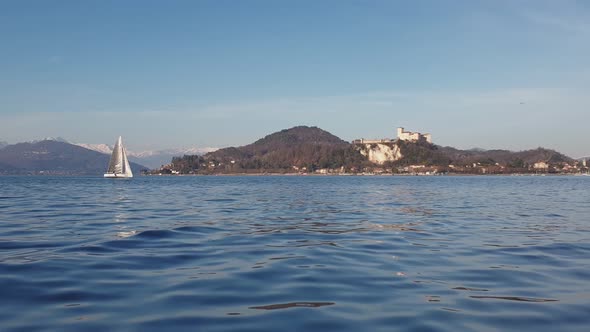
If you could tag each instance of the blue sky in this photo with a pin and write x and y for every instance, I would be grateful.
(489, 74)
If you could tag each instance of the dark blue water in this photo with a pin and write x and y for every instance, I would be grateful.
(295, 253)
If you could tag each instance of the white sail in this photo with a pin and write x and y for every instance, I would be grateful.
(119, 164)
(126, 166)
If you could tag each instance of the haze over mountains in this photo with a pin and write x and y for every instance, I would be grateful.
(147, 158)
(54, 158)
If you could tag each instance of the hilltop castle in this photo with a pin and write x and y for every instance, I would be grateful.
(410, 136)
(402, 135)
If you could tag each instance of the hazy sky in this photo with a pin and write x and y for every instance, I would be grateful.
(490, 74)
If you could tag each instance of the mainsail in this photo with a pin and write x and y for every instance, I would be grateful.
(119, 164)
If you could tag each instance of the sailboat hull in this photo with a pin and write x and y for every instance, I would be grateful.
(117, 176)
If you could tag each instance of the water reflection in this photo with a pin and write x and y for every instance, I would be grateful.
(125, 234)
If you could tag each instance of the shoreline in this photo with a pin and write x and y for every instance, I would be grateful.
(367, 175)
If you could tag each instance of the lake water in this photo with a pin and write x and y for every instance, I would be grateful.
(274, 253)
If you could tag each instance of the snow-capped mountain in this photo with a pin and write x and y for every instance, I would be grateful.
(103, 148)
(176, 152)
(56, 139)
(157, 158)
(150, 158)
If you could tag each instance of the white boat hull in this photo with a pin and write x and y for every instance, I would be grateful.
(117, 176)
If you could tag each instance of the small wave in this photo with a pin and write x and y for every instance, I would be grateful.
(221, 200)
(471, 289)
(204, 230)
(554, 215)
(72, 305)
(156, 234)
(304, 243)
(6, 244)
(514, 298)
(292, 305)
(11, 197)
(416, 210)
(500, 245)
(407, 227)
(285, 257)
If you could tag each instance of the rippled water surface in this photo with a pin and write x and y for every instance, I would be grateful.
(295, 253)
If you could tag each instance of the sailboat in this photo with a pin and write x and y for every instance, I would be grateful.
(119, 164)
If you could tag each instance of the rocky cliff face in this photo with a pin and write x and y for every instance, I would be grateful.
(379, 153)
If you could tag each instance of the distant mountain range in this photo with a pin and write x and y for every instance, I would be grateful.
(148, 158)
(54, 157)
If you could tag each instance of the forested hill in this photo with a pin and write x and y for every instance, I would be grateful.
(302, 147)
(505, 157)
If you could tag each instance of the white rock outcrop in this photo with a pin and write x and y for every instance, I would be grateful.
(379, 153)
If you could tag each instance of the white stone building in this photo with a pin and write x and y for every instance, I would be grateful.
(403, 135)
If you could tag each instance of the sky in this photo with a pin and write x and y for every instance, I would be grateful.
(164, 74)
